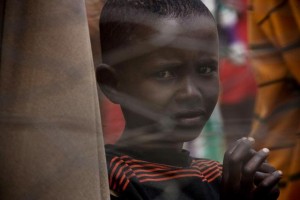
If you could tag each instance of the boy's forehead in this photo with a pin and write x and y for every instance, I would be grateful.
(192, 33)
(192, 26)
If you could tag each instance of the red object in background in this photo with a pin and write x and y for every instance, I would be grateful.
(237, 82)
(112, 121)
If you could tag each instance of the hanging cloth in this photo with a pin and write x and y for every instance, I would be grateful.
(274, 37)
(51, 144)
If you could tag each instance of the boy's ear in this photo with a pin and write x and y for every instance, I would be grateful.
(107, 80)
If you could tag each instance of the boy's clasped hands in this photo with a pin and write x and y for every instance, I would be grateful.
(247, 175)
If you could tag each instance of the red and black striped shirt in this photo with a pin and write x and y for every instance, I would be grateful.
(134, 178)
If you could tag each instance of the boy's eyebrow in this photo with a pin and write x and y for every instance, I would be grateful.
(168, 62)
(165, 66)
(155, 65)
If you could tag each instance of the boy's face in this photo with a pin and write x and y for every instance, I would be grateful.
(178, 79)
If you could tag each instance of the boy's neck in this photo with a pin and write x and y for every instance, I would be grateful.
(161, 155)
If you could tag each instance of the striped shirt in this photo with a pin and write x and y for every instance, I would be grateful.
(135, 178)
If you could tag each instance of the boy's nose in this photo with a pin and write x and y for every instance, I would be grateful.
(189, 92)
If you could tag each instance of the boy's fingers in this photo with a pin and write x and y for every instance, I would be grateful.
(235, 144)
(266, 168)
(263, 172)
(268, 186)
(227, 154)
(256, 162)
(234, 161)
(274, 194)
(249, 169)
(259, 177)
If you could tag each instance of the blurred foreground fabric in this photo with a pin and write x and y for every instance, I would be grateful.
(274, 38)
(51, 144)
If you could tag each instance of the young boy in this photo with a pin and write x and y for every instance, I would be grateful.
(161, 66)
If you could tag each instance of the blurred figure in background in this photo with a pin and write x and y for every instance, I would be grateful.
(237, 80)
(274, 38)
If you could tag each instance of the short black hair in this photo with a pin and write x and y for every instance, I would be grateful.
(118, 17)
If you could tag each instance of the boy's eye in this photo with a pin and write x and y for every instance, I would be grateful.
(165, 75)
(206, 69)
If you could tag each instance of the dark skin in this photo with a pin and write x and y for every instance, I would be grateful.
(169, 92)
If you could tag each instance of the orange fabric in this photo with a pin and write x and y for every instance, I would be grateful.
(274, 37)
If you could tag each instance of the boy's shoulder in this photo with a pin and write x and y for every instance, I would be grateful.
(205, 162)
(117, 157)
(210, 169)
(126, 156)
(111, 150)
(114, 151)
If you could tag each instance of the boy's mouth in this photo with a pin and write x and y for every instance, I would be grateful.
(194, 118)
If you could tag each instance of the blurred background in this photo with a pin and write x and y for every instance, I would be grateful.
(259, 97)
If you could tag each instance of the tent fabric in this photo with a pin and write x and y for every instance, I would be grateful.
(51, 144)
(274, 39)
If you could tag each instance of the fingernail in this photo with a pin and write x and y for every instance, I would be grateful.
(251, 139)
(266, 150)
(279, 172)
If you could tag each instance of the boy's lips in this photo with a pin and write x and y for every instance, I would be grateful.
(190, 118)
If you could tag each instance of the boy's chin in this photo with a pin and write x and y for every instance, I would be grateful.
(181, 133)
(168, 131)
